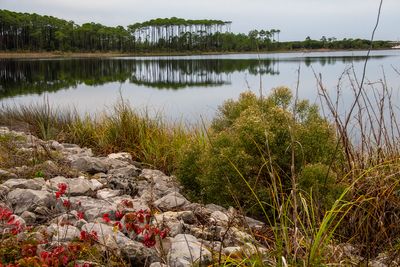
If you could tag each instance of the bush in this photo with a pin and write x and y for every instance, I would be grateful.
(250, 144)
(321, 185)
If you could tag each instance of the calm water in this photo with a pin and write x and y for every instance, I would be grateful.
(188, 88)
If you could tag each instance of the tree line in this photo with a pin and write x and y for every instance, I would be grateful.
(33, 32)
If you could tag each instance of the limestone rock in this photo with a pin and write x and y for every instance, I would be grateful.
(7, 175)
(171, 201)
(76, 186)
(29, 217)
(136, 253)
(90, 165)
(125, 172)
(158, 264)
(28, 199)
(63, 233)
(123, 156)
(107, 193)
(3, 191)
(92, 207)
(161, 184)
(125, 185)
(186, 250)
(220, 218)
(34, 184)
(56, 146)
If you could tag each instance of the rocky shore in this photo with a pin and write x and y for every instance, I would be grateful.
(97, 194)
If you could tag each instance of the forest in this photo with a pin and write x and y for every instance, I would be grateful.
(33, 32)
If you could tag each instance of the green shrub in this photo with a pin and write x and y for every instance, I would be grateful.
(253, 136)
(316, 181)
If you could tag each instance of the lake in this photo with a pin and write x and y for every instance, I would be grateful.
(187, 88)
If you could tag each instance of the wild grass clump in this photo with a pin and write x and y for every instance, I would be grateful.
(150, 140)
(42, 120)
(253, 136)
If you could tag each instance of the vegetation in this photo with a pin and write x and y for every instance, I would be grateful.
(33, 32)
(253, 136)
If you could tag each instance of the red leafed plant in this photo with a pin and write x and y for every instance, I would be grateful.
(62, 189)
(140, 223)
(7, 218)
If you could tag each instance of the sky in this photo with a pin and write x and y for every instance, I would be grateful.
(296, 19)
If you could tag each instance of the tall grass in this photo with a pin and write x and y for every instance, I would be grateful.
(150, 140)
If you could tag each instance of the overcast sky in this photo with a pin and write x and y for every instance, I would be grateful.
(295, 18)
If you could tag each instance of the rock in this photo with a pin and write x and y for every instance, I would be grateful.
(137, 254)
(219, 218)
(96, 185)
(76, 186)
(231, 251)
(158, 264)
(72, 151)
(123, 156)
(161, 184)
(42, 211)
(125, 172)
(384, 259)
(171, 201)
(214, 246)
(213, 207)
(69, 218)
(238, 237)
(186, 250)
(134, 204)
(252, 223)
(29, 217)
(92, 207)
(375, 263)
(203, 233)
(18, 223)
(7, 175)
(107, 193)
(106, 234)
(114, 163)
(34, 184)
(56, 146)
(175, 221)
(4, 190)
(28, 199)
(90, 165)
(63, 233)
(171, 220)
(125, 185)
(4, 130)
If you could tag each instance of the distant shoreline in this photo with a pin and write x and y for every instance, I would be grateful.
(56, 54)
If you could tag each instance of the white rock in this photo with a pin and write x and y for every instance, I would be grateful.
(76, 186)
(63, 233)
(107, 193)
(231, 250)
(220, 218)
(124, 156)
(171, 201)
(187, 251)
(28, 199)
(96, 185)
(34, 184)
(90, 165)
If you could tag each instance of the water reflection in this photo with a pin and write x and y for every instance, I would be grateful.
(21, 77)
